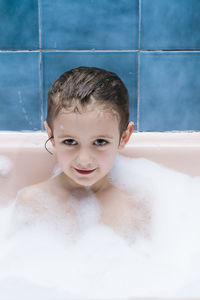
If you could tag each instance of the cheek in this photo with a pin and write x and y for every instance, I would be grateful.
(106, 160)
(63, 158)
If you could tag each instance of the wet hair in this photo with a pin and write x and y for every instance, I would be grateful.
(85, 86)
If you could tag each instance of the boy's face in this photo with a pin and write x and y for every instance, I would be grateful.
(87, 141)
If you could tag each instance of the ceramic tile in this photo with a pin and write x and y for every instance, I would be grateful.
(19, 25)
(170, 24)
(169, 91)
(20, 107)
(89, 24)
(123, 64)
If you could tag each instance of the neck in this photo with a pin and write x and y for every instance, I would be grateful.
(97, 187)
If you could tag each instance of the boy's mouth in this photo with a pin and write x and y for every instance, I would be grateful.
(85, 171)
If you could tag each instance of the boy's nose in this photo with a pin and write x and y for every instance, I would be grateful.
(84, 160)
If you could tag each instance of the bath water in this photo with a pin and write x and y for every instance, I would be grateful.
(51, 256)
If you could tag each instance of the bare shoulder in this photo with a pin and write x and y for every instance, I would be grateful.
(42, 195)
(37, 195)
(114, 201)
(130, 201)
(115, 194)
(122, 211)
(28, 196)
(32, 191)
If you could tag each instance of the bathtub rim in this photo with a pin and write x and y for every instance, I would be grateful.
(148, 139)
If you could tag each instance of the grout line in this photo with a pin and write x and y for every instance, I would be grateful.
(64, 50)
(139, 24)
(9, 51)
(39, 23)
(92, 51)
(41, 90)
(40, 73)
(138, 68)
(138, 93)
(170, 50)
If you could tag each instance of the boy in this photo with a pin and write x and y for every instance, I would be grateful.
(87, 123)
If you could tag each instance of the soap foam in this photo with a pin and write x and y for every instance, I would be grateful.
(54, 257)
(5, 165)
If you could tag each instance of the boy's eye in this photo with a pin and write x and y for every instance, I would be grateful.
(101, 142)
(69, 142)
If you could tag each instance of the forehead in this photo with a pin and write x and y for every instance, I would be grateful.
(94, 120)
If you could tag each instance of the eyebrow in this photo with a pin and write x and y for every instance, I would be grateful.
(94, 137)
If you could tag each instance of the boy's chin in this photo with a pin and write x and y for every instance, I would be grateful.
(84, 183)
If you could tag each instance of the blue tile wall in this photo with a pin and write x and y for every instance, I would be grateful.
(154, 46)
(122, 63)
(19, 27)
(89, 24)
(170, 24)
(170, 91)
(20, 106)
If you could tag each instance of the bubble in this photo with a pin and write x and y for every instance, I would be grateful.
(5, 165)
(74, 255)
(56, 171)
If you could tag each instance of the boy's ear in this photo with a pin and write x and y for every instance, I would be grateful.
(49, 132)
(126, 135)
(48, 129)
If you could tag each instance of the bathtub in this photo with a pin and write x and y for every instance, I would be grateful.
(31, 163)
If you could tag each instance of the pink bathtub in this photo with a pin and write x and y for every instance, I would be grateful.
(31, 163)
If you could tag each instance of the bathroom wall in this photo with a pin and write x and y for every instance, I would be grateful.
(154, 46)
